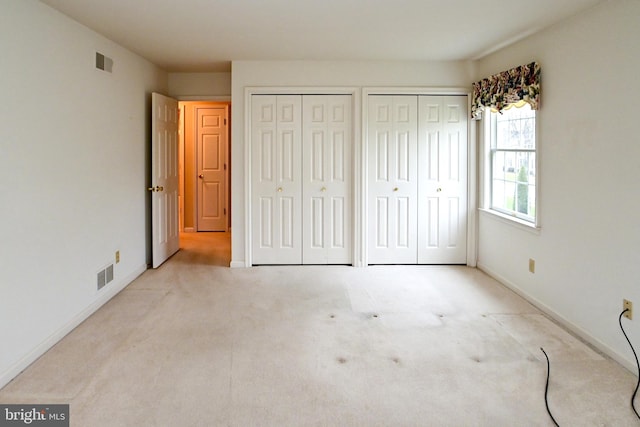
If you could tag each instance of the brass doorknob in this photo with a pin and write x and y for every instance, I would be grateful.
(201, 176)
(439, 189)
(151, 189)
(395, 189)
(323, 189)
(279, 189)
(159, 188)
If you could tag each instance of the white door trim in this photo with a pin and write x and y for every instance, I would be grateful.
(472, 204)
(357, 208)
(472, 193)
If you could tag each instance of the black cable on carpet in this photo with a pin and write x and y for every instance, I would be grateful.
(546, 388)
(633, 396)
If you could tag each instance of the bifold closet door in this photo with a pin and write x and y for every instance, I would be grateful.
(392, 179)
(326, 184)
(442, 169)
(276, 187)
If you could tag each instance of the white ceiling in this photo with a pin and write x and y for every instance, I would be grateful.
(205, 35)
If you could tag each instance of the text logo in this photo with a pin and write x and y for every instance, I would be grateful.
(34, 415)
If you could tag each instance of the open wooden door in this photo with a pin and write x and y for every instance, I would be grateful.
(164, 178)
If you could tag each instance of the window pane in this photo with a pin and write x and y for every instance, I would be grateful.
(498, 199)
(515, 128)
(498, 165)
(522, 191)
(509, 195)
(510, 165)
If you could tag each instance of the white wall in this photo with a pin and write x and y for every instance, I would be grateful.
(200, 85)
(587, 255)
(73, 167)
(325, 74)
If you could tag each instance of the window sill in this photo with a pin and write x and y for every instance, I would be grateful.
(512, 221)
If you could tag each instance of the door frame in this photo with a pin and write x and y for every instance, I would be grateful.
(359, 159)
(190, 163)
(472, 203)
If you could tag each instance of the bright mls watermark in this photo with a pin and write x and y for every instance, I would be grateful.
(34, 415)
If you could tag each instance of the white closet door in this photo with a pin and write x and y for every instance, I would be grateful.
(442, 202)
(326, 170)
(276, 179)
(393, 179)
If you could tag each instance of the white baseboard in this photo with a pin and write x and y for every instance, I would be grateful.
(578, 331)
(237, 264)
(104, 295)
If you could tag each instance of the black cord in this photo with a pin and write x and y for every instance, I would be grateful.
(633, 396)
(635, 392)
(546, 389)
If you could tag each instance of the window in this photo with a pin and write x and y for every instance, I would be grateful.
(512, 157)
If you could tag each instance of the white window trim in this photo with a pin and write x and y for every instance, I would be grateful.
(510, 220)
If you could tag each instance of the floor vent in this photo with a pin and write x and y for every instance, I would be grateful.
(105, 276)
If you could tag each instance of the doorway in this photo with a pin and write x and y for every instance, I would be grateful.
(204, 166)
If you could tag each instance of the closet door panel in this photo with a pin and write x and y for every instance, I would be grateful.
(276, 185)
(442, 154)
(392, 132)
(327, 194)
(339, 232)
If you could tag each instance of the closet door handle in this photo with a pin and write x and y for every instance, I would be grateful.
(395, 189)
(279, 189)
(323, 189)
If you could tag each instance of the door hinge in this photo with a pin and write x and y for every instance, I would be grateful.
(225, 166)
(224, 210)
(225, 122)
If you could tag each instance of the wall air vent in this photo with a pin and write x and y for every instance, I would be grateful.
(105, 276)
(103, 63)
(109, 273)
(102, 279)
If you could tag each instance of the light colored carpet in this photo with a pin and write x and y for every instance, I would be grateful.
(195, 343)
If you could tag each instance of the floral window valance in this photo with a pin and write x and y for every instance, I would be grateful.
(516, 86)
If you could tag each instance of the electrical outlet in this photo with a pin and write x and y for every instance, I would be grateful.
(627, 305)
(117, 257)
(532, 265)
